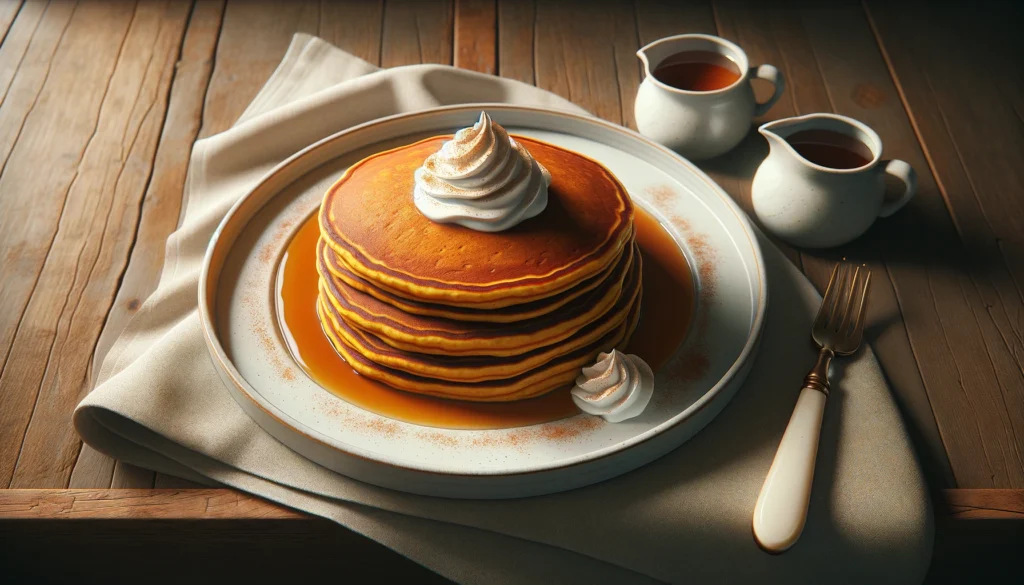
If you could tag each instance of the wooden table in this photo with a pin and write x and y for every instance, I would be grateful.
(100, 103)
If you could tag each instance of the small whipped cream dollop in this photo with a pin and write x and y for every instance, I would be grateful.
(618, 387)
(481, 179)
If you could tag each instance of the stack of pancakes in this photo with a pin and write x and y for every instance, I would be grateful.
(448, 311)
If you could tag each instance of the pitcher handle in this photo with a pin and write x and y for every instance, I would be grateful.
(904, 172)
(772, 75)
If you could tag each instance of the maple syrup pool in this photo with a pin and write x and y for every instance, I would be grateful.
(666, 312)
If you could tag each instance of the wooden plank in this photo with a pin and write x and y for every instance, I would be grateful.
(137, 504)
(165, 482)
(26, 58)
(203, 503)
(354, 26)
(263, 544)
(985, 504)
(70, 228)
(254, 36)
(776, 34)
(516, 40)
(25, 62)
(15, 44)
(978, 534)
(587, 56)
(948, 74)
(8, 11)
(151, 72)
(161, 205)
(128, 476)
(92, 470)
(656, 19)
(968, 545)
(417, 32)
(476, 43)
(927, 264)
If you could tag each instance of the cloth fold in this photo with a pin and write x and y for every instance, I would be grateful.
(160, 404)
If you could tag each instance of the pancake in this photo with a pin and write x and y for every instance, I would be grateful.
(448, 311)
(472, 368)
(511, 314)
(449, 337)
(554, 374)
(370, 222)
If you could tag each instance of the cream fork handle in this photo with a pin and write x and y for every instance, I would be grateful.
(781, 509)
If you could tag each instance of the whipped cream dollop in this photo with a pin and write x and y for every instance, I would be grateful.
(481, 179)
(618, 387)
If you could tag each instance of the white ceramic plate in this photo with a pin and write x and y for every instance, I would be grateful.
(237, 305)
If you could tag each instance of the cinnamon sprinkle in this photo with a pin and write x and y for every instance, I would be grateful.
(384, 427)
(267, 253)
(663, 195)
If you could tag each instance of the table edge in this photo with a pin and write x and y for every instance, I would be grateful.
(226, 504)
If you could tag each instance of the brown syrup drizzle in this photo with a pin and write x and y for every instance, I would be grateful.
(666, 312)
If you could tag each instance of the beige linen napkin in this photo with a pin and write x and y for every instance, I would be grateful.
(684, 518)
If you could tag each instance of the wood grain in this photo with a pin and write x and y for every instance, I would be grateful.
(778, 35)
(974, 537)
(8, 10)
(417, 32)
(92, 469)
(585, 52)
(28, 55)
(656, 19)
(967, 302)
(354, 26)
(516, 40)
(948, 76)
(253, 38)
(928, 267)
(128, 476)
(134, 504)
(161, 207)
(65, 230)
(952, 301)
(985, 504)
(475, 39)
(198, 535)
(202, 503)
(16, 38)
(161, 204)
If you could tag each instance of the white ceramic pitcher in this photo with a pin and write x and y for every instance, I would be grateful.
(700, 124)
(815, 206)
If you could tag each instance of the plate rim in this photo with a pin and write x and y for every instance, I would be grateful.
(207, 296)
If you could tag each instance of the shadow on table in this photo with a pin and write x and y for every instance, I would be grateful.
(198, 551)
(921, 234)
(976, 551)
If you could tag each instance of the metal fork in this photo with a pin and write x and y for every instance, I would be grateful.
(781, 510)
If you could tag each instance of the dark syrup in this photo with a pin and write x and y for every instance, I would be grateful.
(697, 71)
(830, 149)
